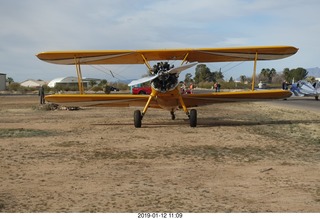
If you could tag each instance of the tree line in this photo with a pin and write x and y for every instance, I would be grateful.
(103, 85)
(203, 77)
(204, 74)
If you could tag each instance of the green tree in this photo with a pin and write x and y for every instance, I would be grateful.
(231, 79)
(243, 78)
(188, 78)
(14, 86)
(219, 76)
(9, 80)
(203, 74)
(296, 74)
(267, 74)
(92, 83)
(103, 82)
(299, 73)
(286, 74)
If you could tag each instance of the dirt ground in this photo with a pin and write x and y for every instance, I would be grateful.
(247, 157)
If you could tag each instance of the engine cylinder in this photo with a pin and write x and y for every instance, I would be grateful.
(165, 82)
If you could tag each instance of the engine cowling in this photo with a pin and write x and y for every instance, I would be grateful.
(165, 82)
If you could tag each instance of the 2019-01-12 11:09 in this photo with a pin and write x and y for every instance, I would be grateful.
(160, 215)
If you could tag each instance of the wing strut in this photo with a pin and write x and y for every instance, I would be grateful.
(146, 62)
(185, 59)
(79, 74)
(254, 71)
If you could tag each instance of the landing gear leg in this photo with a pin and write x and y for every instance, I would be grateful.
(193, 118)
(192, 114)
(138, 115)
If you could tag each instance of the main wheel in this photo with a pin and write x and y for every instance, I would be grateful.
(137, 118)
(193, 118)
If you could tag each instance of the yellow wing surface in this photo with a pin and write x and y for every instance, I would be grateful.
(201, 55)
(194, 100)
(105, 100)
(190, 100)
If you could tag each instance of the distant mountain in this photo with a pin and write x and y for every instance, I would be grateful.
(315, 72)
(126, 81)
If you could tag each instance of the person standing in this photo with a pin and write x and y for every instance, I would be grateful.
(191, 88)
(215, 86)
(284, 85)
(41, 94)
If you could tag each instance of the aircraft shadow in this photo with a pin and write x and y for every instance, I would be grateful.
(302, 99)
(210, 122)
(213, 122)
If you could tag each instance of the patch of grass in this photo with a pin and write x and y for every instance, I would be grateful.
(47, 107)
(221, 154)
(109, 154)
(297, 140)
(69, 144)
(298, 133)
(2, 206)
(22, 133)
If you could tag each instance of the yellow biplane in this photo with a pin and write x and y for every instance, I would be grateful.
(164, 81)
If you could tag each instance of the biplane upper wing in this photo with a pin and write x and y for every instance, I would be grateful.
(201, 55)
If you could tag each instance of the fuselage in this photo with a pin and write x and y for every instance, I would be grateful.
(168, 100)
(166, 91)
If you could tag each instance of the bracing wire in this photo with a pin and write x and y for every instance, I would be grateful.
(109, 72)
(233, 66)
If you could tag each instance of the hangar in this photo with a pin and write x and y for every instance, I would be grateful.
(71, 81)
(33, 83)
(3, 81)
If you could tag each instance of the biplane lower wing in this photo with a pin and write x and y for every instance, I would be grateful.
(195, 100)
(103, 100)
(190, 100)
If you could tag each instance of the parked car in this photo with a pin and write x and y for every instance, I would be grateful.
(141, 90)
(108, 89)
(114, 89)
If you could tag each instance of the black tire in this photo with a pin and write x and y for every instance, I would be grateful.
(142, 92)
(316, 97)
(193, 118)
(137, 118)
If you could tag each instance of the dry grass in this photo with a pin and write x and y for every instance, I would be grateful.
(248, 157)
(22, 133)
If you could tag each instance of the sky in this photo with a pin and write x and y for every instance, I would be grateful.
(29, 27)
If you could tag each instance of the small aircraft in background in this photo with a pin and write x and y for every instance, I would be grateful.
(306, 89)
(164, 79)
